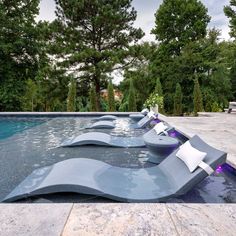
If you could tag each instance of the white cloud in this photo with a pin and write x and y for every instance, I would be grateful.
(145, 15)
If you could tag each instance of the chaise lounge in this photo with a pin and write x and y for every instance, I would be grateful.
(103, 139)
(171, 178)
(136, 116)
(104, 124)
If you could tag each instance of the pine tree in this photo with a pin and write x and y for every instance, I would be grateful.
(178, 106)
(131, 99)
(231, 14)
(111, 98)
(71, 99)
(96, 35)
(197, 97)
(92, 98)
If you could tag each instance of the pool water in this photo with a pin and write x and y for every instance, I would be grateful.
(35, 142)
(9, 126)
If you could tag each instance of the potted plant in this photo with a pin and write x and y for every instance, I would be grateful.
(154, 102)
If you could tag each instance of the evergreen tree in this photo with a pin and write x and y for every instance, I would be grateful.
(92, 98)
(71, 99)
(178, 110)
(111, 98)
(18, 50)
(231, 14)
(29, 99)
(179, 22)
(131, 99)
(179, 26)
(197, 97)
(158, 88)
(94, 36)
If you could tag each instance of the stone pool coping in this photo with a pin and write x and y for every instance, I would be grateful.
(117, 219)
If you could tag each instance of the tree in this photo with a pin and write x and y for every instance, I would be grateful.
(29, 99)
(71, 99)
(94, 37)
(178, 110)
(131, 99)
(197, 97)
(178, 22)
(179, 26)
(231, 14)
(92, 98)
(158, 88)
(111, 98)
(18, 50)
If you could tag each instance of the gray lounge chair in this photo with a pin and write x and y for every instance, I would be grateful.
(103, 139)
(156, 184)
(104, 124)
(106, 117)
(136, 117)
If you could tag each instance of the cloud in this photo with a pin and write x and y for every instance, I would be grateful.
(145, 14)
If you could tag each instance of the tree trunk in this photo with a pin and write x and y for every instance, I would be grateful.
(97, 87)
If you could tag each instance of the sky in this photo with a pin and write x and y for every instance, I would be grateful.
(145, 15)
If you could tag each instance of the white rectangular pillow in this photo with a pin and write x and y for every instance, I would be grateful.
(191, 156)
(160, 127)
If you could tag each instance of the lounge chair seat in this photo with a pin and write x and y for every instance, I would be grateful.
(103, 139)
(156, 184)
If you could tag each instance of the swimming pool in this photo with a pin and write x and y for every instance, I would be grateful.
(37, 145)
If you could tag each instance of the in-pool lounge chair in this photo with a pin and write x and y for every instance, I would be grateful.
(103, 139)
(136, 116)
(105, 124)
(170, 178)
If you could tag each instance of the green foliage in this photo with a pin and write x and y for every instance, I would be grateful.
(92, 98)
(197, 97)
(29, 99)
(132, 99)
(153, 100)
(215, 107)
(71, 99)
(179, 22)
(158, 88)
(111, 99)
(96, 35)
(178, 106)
(18, 50)
(231, 14)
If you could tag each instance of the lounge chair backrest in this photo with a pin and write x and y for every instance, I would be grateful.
(178, 173)
(145, 111)
(147, 119)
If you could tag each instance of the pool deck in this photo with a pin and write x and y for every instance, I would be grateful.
(218, 129)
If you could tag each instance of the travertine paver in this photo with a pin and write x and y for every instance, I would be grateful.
(33, 219)
(204, 219)
(217, 129)
(119, 219)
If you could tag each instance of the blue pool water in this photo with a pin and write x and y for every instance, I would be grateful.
(30, 143)
(9, 126)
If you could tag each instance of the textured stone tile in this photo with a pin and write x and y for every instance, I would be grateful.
(217, 129)
(205, 220)
(119, 219)
(33, 219)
